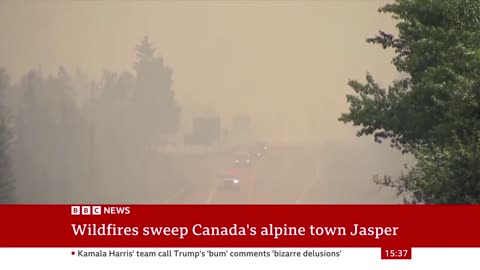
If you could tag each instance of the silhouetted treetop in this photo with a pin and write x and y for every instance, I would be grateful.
(145, 51)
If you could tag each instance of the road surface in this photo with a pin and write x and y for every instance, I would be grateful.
(328, 174)
(284, 175)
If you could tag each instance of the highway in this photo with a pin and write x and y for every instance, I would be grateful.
(284, 175)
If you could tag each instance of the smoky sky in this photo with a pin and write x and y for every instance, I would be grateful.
(284, 63)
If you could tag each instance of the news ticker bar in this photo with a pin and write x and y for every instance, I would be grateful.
(395, 228)
(234, 258)
(386, 254)
(192, 253)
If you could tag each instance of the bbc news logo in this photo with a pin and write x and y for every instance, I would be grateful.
(79, 210)
(86, 210)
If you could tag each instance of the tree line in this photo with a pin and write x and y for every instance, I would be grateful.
(53, 144)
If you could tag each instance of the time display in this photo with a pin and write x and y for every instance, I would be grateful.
(388, 253)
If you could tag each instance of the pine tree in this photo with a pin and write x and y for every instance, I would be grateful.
(157, 114)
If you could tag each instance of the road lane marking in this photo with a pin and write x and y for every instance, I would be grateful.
(211, 195)
(309, 186)
(305, 191)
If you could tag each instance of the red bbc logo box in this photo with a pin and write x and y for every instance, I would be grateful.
(86, 210)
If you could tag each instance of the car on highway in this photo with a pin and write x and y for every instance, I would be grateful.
(260, 149)
(242, 159)
(230, 181)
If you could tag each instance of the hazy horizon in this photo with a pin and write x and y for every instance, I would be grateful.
(288, 60)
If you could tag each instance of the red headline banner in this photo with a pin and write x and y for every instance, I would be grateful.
(395, 226)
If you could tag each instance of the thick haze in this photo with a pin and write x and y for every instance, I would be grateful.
(286, 63)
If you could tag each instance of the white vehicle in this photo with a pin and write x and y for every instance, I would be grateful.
(242, 159)
(260, 149)
(230, 181)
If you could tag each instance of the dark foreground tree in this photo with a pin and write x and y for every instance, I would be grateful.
(6, 176)
(434, 113)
